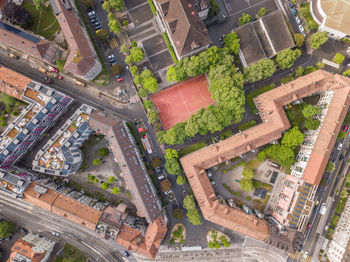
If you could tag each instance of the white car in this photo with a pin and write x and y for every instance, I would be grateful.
(339, 146)
(55, 233)
(297, 20)
(323, 209)
(92, 13)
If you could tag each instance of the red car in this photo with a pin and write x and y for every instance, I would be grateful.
(308, 226)
(120, 79)
(345, 128)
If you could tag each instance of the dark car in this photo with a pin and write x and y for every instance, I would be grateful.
(126, 253)
(341, 157)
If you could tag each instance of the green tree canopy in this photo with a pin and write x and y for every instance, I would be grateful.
(6, 228)
(142, 92)
(171, 153)
(247, 184)
(180, 180)
(136, 55)
(148, 104)
(281, 153)
(330, 166)
(299, 40)
(125, 49)
(293, 137)
(96, 162)
(310, 110)
(150, 84)
(287, 57)
(103, 152)
(106, 6)
(261, 12)
(113, 24)
(248, 173)
(344, 194)
(260, 70)
(111, 179)
(104, 185)
(244, 19)
(38, 4)
(115, 190)
(118, 5)
(231, 41)
(7, 100)
(152, 116)
(318, 39)
(175, 135)
(173, 166)
(338, 58)
(299, 71)
(312, 124)
(194, 217)
(189, 203)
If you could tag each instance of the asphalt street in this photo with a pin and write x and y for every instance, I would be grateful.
(325, 195)
(39, 220)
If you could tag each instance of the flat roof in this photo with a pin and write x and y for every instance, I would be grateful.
(14, 79)
(337, 14)
(270, 106)
(19, 32)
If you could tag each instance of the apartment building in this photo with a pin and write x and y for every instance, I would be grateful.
(275, 121)
(82, 60)
(182, 20)
(31, 248)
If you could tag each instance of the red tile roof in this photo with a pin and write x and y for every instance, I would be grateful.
(270, 105)
(12, 83)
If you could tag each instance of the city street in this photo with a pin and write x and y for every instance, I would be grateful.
(38, 220)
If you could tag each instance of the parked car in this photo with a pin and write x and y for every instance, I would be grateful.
(345, 128)
(294, 12)
(290, 4)
(341, 157)
(92, 12)
(340, 145)
(55, 233)
(126, 253)
(162, 176)
(98, 27)
(297, 20)
(323, 209)
(120, 79)
(24, 231)
(308, 226)
(221, 39)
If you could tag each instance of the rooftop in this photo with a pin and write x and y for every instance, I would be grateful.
(264, 38)
(134, 172)
(270, 105)
(77, 42)
(25, 42)
(188, 31)
(337, 14)
(12, 83)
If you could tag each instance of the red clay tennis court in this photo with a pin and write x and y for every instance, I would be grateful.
(177, 103)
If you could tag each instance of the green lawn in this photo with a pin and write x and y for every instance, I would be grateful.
(71, 254)
(226, 134)
(255, 93)
(192, 148)
(334, 221)
(247, 125)
(45, 25)
(286, 79)
(341, 205)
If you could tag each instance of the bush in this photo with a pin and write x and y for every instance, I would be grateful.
(115, 190)
(338, 58)
(103, 152)
(96, 180)
(104, 185)
(156, 162)
(318, 39)
(96, 162)
(111, 179)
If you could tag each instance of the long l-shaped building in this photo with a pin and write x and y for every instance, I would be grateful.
(275, 122)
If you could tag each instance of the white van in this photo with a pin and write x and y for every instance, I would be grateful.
(323, 209)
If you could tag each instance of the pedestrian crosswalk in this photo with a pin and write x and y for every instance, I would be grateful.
(113, 43)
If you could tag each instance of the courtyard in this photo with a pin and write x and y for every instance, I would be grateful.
(268, 177)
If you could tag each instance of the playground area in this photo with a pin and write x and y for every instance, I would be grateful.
(178, 102)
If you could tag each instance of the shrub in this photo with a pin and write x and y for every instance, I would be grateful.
(338, 58)
(96, 180)
(103, 152)
(170, 48)
(96, 162)
(104, 185)
(115, 190)
(153, 8)
(111, 179)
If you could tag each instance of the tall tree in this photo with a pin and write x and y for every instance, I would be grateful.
(299, 40)
(312, 124)
(6, 228)
(338, 58)
(247, 184)
(260, 70)
(261, 12)
(173, 166)
(318, 39)
(175, 135)
(248, 173)
(293, 137)
(244, 19)
(194, 217)
(136, 55)
(171, 153)
(310, 110)
(38, 4)
(189, 203)
(180, 180)
(118, 5)
(152, 116)
(231, 41)
(287, 57)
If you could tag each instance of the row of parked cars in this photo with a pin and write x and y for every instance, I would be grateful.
(295, 14)
(95, 21)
